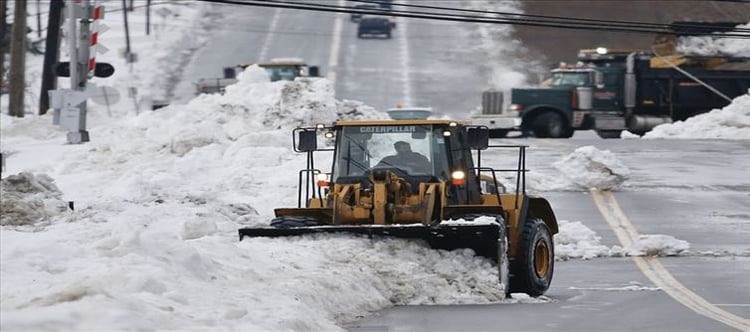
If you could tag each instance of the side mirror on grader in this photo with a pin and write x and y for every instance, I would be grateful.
(397, 178)
(307, 141)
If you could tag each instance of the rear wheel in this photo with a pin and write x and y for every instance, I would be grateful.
(293, 221)
(531, 271)
(550, 125)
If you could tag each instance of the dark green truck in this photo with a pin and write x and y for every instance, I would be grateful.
(614, 91)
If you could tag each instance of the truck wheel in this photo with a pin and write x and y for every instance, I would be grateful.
(609, 133)
(498, 133)
(550, 125)
(531, 271)
(293, 221)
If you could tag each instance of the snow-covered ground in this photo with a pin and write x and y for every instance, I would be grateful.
(158, 197)
(731, 122)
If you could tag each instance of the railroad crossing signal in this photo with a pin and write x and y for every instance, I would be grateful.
(84, 27)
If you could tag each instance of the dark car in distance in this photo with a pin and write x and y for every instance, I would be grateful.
(374, 26)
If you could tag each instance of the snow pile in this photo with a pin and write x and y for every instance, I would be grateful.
(633, 286)
(484, 220)
(730, 122)
(29, 199)
(710, 46)
(657, 245)
(575, 240)
(590, 168)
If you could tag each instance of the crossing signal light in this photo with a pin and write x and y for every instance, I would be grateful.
(102, 69)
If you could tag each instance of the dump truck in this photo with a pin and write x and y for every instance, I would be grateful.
(286, 69)
(416, 179)
(614, 90)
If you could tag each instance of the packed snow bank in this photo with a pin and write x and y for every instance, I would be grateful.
(575, 240)
(657, 245)
(29, 199)
(711, 46)
(590, 168)
(730, 122)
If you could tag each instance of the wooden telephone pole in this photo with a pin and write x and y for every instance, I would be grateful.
(51, 54)
(18, 60)
(3, 15)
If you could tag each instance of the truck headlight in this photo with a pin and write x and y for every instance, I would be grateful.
(515, 107)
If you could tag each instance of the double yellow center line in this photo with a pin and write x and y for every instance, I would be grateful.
(653, 269)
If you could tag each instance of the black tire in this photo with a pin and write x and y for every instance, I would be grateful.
(388, 35)
(531, 271)
(609, 133)
(498, 133)
(550, 125)
(293, 221)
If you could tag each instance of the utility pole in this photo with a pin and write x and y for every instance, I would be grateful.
(51, 54)
(3, 13)
(18, 60)
(127, 31)
(148, 17)
(38, 19)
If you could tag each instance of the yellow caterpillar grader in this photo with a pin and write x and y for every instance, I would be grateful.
(417, 179)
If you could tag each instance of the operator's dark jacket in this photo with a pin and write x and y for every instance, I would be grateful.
(414, 162)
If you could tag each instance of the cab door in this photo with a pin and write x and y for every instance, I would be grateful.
(608, 92)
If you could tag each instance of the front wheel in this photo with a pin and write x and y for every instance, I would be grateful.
(531, 271)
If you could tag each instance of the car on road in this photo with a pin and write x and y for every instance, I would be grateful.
(374, 26)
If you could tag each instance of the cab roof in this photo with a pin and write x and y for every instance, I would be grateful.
(396, 123)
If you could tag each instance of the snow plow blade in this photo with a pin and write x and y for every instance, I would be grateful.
(480, 238)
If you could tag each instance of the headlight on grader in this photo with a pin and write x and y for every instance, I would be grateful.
(458, 178)
(323, 180)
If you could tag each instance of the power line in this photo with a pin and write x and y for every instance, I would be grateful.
(458, 17)
(559, 19)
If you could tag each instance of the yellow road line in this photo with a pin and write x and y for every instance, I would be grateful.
(653, 269)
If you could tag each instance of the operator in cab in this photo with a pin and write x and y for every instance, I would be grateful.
(407, 160)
